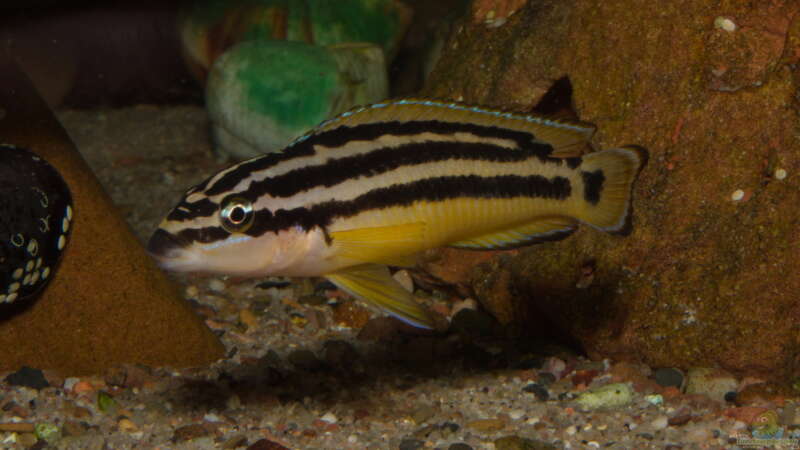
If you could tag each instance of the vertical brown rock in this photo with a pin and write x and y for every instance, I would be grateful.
(709, 275)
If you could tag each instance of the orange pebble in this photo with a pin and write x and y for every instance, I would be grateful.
(82, 387)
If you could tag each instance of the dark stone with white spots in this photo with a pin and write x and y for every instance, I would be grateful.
(35, 222)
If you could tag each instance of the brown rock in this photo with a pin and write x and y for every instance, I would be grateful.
(703, 280)
(189, 432)
(351, 314)
(745, 414)
(763, 394)
(16, 427)
(107, 304)
(487, 425)
(264, 444)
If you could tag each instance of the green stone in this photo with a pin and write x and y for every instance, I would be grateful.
(49, 432)
(608, 396)
(261, 95)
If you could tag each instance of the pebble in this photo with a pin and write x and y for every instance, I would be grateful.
(265, 444)
(422, 414)
(608, 396)
(70, 382)
(780, 174)
(82, 387)
(714, 383)
(538, 390)
(461, 446)
(28, 377)
(189, 432)
(329, 418)
(520, 443)
(404, 278)
(668, 376)
(216, 285)
(654, 399)
(660, 422)
(127, 425)
(16, 427)
(411, 444)
(74, 428)
(724, 23)
(48, 432)
(27, 440)
(106, 403)
(487, 425)
(698, 434)
(556, 366)
(546, 378)
(248, 319)
(516, 414)
(737, 195)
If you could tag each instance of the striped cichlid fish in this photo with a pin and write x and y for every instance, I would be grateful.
(377, 185)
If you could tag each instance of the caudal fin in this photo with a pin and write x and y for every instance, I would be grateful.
(608, 178)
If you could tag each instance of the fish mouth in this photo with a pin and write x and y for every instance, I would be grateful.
(164, 246)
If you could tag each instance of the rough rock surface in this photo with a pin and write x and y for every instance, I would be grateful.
(108, 304)
(709, 275)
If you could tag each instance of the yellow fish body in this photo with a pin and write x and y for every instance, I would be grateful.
(375, 186)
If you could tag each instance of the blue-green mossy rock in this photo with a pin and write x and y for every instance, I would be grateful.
(263, 94)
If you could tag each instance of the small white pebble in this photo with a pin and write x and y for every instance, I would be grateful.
(780, 174)
(404, 278)
(532, 421)
(352, 439)
(329, 417)
(70, 382)
(660, 422)
(737, 195)
(725, 23)
(602, 427)
(216, 285)
(594, 444)
(211, 417)
(192, 291)
(516, 414)
(571, 430)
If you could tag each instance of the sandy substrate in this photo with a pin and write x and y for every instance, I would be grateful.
(298, 376)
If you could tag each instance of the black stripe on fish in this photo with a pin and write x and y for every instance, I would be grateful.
(593, 185)
(202, 235)
(340, 136)
(387, 159)
(429, 189)
(200, 208)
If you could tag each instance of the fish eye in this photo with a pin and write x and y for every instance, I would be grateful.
(236, 214)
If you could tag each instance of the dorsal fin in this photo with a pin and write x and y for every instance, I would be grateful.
(569, 138)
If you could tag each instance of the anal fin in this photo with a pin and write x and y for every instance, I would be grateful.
(373, 283)
(544, 229)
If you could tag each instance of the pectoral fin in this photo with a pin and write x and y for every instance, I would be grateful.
(544, 229)
(395, 245)
(373, 284)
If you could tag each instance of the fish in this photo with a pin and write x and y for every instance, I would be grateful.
(35, 223)
(377, 185)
